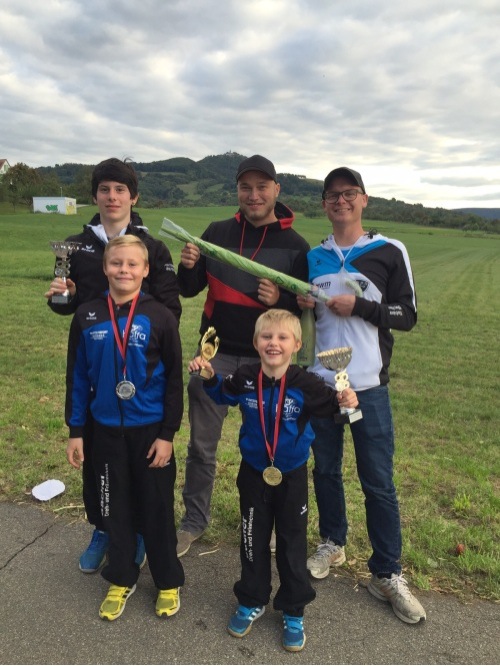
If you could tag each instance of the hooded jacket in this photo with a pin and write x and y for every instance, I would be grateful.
(232, 305)
(379, 268)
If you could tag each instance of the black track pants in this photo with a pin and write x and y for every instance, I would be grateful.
(285, 507)
(130, 491)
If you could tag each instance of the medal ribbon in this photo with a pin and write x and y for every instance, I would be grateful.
(271, 451)
(243, 236)
(122, 345)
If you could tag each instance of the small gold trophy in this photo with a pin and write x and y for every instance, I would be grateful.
(208, 348)
(337, 360)
(63, 250)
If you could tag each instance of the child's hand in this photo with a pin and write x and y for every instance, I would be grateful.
(347, 398)
(198, 363)
(74, 451)
(161, 449)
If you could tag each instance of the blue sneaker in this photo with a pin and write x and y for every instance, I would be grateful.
(140, 553)
(294, 637)
(241, 622)
(92, 559)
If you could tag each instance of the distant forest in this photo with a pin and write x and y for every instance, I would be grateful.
(184, 182)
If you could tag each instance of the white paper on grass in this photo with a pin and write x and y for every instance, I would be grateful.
(48, 489)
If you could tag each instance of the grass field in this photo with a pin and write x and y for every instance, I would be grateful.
(444, 387)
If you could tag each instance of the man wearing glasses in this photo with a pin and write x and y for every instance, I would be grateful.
(369, 279)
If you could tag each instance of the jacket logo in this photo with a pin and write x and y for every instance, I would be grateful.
(363, 284)
(98, 335)
(290, 409)
(91, 316)
(136, 334)
(249, 384)
(87, 248)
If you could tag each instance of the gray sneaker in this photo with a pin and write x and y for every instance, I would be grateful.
(327, 555)
(395, 590)
(184, 541)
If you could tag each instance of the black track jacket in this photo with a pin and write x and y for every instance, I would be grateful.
(87, 273)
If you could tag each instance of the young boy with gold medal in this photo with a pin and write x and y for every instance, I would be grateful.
(277, 400)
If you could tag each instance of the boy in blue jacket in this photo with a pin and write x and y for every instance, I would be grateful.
(277, 400)
(125, 368)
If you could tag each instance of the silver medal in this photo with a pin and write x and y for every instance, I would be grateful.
(125, 390)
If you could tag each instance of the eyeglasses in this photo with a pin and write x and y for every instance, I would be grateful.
(347, 195)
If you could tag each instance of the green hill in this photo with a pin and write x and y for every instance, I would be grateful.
(183, 182)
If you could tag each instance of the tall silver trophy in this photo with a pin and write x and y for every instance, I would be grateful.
(337, 360)
(63, 250)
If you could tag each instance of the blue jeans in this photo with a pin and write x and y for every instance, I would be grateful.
(373, 438)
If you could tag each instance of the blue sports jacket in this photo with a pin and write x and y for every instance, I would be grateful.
(95, 366)
(305, 395)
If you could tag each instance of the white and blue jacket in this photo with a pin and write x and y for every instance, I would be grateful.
(380, 268)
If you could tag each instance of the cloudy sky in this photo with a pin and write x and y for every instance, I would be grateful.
(406, 92)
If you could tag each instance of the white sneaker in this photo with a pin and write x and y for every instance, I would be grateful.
(327, 555)
(395, 590)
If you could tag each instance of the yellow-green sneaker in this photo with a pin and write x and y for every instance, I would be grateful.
(112, 607)
(168, 602)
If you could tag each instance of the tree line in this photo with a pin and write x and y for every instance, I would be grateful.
(211, 182)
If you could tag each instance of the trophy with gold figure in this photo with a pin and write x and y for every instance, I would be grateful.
(208, 348)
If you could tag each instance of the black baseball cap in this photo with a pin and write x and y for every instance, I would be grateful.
(257, 163)
(344, 171)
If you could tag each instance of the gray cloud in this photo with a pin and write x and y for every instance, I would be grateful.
(407, 94)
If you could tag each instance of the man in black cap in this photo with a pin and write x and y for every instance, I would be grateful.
(261, 230)
(370, 282)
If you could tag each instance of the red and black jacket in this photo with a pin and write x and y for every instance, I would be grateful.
(232, 306)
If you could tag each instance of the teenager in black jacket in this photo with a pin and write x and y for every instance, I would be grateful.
(115, 191)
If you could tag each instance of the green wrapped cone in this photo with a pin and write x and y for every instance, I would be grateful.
(172, 230)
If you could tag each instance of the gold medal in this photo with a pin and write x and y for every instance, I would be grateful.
(272, 476)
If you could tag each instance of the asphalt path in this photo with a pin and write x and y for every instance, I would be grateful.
(49, 612)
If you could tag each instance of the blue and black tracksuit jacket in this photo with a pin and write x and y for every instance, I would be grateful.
(153, 364)
(305, 395)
